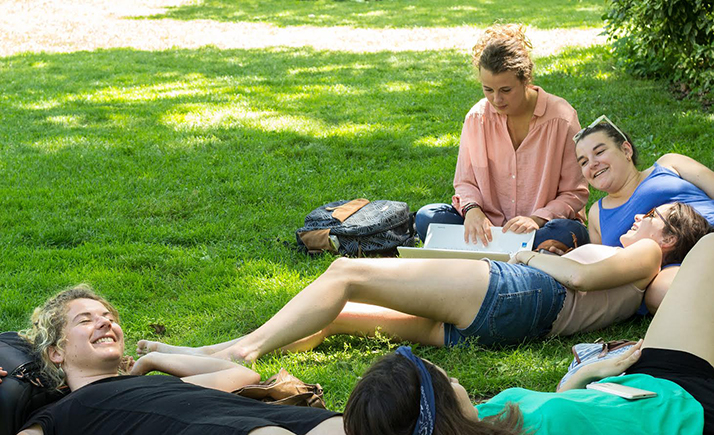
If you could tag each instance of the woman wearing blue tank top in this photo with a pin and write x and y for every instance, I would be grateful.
(608, 159)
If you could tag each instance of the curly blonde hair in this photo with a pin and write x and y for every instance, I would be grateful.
(504, 48)
(48, 324)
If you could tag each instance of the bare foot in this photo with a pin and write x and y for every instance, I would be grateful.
(144, 347)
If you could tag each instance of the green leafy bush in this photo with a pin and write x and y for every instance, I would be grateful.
(671, 39)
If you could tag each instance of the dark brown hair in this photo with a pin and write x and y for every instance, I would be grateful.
(687, 226)
(504, 48)
(386, 401)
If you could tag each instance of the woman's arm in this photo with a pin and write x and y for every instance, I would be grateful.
(602, 369)
(659, 287)
(219, 374)
(594, 224)
(637, 264)
(35, 429)
(690, 170)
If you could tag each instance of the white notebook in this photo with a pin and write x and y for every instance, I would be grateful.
(447, 241)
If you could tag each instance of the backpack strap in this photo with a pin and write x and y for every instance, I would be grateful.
(346, 210)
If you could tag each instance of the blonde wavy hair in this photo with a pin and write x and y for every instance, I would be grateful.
(48, 324)
(502, 48)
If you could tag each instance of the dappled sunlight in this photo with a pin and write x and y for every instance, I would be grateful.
(450, 139)
(65, 120)
(371, 14)
(197, 87)
(464, 8)
(397, 87)
(39, 104)
(54, 144)
(393, 13)
(240, 115)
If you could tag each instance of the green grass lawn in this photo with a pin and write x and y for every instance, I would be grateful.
(545, 14)
(173, 181)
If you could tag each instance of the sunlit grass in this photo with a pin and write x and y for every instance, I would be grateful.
(174, 181)
(545, 14)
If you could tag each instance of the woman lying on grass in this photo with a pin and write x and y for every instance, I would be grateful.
(442, 302)
(403, 394)
(608, 159)
(81, 344)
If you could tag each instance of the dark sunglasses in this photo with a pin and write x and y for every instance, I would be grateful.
(653, 213)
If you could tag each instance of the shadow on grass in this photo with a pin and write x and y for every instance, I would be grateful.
(173, 181)
(395, 13)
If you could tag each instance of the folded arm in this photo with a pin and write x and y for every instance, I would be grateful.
(219, 374)
(637, 264)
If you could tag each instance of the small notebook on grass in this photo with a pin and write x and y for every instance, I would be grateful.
(447, 241)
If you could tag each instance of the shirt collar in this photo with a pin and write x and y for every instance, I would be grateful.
(541, 102)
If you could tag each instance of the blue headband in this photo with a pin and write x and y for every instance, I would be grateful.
(427, 404)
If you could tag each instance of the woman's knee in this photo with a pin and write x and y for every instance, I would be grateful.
(345, 272)
(435, 213)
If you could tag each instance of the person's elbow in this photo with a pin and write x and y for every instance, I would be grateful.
(579, 279)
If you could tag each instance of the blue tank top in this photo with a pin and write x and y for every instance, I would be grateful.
(662, 186)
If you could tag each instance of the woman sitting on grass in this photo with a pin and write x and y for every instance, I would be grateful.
(81, 344)
(516, 167)
(445, 301)
(402, 394)
(608, 159)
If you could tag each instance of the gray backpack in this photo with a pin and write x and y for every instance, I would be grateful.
(357, 228)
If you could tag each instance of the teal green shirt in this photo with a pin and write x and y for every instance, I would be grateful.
(672, 411)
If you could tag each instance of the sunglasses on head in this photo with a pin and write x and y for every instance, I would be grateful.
(655, 213)
(601, 120)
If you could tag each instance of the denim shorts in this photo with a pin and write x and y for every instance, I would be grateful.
(521, 302)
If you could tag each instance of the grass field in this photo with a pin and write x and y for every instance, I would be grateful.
(547, 14)
(173, 181)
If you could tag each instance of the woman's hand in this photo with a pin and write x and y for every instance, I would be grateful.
(477, 227)
(603, 369)
(3, 373)
(522, 224)
(143, 365)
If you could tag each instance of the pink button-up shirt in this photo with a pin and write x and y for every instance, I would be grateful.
(542, 178)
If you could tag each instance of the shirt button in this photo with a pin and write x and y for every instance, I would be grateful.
(513, 176)
(513, 200)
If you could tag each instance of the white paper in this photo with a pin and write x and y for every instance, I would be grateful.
(451, 237)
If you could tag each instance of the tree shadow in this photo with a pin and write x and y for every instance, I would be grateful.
(182, 175)
(395, 13)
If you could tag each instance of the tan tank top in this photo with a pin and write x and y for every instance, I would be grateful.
(587, 311)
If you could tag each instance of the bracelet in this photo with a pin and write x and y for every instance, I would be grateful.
(529, 259)
(465, 209)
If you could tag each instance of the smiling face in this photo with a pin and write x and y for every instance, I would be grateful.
(647, 226)
(604, 164)
(93, 340)
(505, 92)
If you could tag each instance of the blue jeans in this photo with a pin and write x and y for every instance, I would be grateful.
(561, 230)
(521, 302)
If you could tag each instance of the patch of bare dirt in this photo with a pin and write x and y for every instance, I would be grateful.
(74, 25)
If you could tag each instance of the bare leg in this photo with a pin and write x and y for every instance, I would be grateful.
(442, 290)
(685, 319)
(145, 346)
(331, 426)
(362, 319)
